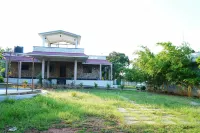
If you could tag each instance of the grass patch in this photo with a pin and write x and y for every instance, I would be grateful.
(97, 110)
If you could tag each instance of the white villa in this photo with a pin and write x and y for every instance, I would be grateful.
(56, 60)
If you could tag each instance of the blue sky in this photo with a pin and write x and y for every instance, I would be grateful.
(104, 25)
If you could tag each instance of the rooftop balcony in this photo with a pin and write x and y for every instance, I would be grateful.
(56, 49)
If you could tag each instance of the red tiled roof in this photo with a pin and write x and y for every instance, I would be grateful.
(96, 61)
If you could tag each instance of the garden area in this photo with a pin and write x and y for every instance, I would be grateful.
(99, 110)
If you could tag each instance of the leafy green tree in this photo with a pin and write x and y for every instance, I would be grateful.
(198, 61)
(172, 65)
(134, 74)
(120, 61)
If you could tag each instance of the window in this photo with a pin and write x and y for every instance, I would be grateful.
(87, 69)
(25, 67)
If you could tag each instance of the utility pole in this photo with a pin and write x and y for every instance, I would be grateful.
(8, 69)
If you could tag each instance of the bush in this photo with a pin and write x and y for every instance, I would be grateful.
(122, 87)
(81, 85)
(39, 76)
(143, 88)
(108, 86)
(1, 79)
(25, 84)
(74, 94)
(95, 85)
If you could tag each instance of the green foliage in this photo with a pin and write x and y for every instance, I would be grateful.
(39, 76)
(81, 85)
(122, 87)
(120, 61)
(171, 65)
(95, 85)
(198, 61)
(94, 105)
(134, 74)
(108, 86)
(25, 83)
(1, 79)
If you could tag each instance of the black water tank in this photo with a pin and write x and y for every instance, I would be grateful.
(18, 49)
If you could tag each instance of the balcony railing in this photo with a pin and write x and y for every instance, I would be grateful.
(56, 49)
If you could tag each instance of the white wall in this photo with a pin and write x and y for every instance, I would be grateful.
(14, 80)
(101, 83)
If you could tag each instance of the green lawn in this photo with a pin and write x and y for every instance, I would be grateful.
(92, 110)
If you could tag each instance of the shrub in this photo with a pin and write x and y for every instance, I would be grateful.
(39, 76)
(95, 85)
(1, 79)
(108, 86)
(143, 88)
(74, 94)
(25, 84)
(81, 85)
(122, 87)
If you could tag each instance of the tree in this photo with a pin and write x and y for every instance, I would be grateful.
(120, 61)
(134, 74)
(198, 61)
(171, 65)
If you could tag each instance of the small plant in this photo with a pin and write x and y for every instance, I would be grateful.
(1, 79)
(81, 85)
(50, 82)
(95, 85)
(108, 86)
(39, 76)
(25, 84)
(122, 86)
(74, 94)
(143, 88)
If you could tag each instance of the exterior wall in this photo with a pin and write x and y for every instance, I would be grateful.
(28, 73)
(56, 70)
(14, 69)
(56, 49)
(101, 83)
(93, 75)
(25, 73)
(20, 81)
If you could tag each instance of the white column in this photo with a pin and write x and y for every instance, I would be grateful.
(111, 72)
(100, 74)
(20, 69)
(76, 43)
(6, 71)
(48, 64)
(75, 70)
(109, 75)
(43, 41)
(43, 67)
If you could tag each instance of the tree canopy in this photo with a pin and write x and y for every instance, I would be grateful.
(120, 61)
(171, 65)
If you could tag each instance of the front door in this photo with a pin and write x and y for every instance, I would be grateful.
(62, 70)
